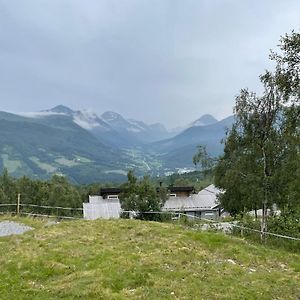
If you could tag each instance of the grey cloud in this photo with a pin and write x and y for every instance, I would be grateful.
(158, 60)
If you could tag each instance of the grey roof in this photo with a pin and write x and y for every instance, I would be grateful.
(210, 189)
(206, 199)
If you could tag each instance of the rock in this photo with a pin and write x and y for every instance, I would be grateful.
(9, 228)
(51, 223)
(231, 261)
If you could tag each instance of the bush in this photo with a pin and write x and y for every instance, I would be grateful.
(286, 224)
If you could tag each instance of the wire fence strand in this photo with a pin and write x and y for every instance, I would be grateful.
(178, 214)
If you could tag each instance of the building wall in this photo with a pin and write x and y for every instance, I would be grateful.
(182, 194)
(210, 214)
(92, 211)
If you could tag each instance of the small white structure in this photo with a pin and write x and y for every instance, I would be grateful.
(98, 207)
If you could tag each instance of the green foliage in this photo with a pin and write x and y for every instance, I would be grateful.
(286, 224)
(287, 67)
(203, 158)
(7, 188)
(198, 179)
(261, 161)
(58, 192)
(182, 182)
(141, 196)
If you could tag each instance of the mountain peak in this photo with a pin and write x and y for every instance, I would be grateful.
(206, 119)
(61, 109)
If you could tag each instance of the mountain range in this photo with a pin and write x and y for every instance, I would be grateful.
(87, 147)
(114, 128)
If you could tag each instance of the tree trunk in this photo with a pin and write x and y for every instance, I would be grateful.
(265, 200)
(263, 222)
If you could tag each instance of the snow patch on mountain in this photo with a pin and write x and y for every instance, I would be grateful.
(38, 114)
(121, 124)
(111, 116)
(86, 119)
(139, 124)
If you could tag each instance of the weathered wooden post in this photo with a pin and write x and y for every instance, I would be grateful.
(18, 204)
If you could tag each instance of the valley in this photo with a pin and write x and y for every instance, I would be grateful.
(88, 148)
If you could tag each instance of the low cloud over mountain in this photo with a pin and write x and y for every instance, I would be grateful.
(87, 147)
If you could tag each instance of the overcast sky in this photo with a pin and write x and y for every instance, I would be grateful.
(163, 61)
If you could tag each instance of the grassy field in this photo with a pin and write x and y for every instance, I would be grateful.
(140, 260)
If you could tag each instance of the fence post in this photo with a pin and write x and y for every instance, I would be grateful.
(18, 204)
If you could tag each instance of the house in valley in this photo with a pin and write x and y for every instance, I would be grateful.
(181, 200)
(110, 193)
(203, 205)
(181, 191)
(104, 206)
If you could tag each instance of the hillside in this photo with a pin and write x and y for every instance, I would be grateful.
(129, 259)
(88, 148)
(204, 120)
(113, 128)
(54, 144)
(133, 132)
(178, 151)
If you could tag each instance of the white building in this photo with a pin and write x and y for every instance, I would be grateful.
(98, 207)
(204, 204)
(182, 199)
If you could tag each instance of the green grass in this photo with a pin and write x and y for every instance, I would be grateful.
(82, 159)
(10, 164)
(42, 165)
(121, 172)
(66, 162)
(141, 260)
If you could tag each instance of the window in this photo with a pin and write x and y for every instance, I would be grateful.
(112, 197)
(209, 214)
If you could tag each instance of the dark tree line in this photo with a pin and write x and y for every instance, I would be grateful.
(139, 195)
(56, 192)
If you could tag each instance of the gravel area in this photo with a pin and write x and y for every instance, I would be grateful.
(9, 228)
